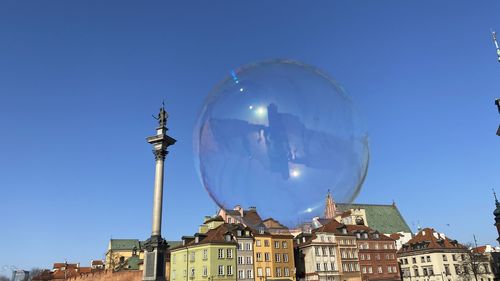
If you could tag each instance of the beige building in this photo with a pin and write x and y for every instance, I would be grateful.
(431, 256)
(328, 253)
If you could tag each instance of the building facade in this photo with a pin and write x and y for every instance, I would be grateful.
(376, 254)
(431, 256)
(210, 256)
(329, 252)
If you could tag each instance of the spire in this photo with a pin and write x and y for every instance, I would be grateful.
(497, 204)
(330, 208)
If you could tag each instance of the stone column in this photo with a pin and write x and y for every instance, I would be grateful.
(156, 247)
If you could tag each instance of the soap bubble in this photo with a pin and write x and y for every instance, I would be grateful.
(277, 135)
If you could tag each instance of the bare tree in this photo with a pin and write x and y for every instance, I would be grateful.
(473, 264)
(35, 271)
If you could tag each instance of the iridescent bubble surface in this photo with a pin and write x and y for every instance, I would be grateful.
(277, 135)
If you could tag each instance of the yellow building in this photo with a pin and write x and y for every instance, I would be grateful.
(209, 256)
(121, 250)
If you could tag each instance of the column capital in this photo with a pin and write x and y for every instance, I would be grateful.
(160, 154)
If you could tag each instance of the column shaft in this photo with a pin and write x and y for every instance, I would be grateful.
(158, 198)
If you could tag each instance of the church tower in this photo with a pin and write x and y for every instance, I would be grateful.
(330, 208)
(496, 213)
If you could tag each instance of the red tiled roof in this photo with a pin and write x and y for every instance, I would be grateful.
(428, 239)
(479, 250)
(97, 262)
(395, 236)
(216, 235)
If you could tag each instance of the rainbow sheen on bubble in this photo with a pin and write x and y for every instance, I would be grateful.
(277, 135)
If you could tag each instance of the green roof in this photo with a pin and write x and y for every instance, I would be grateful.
(384, 218)
(125, 244)
(132, 263)
(172, 244)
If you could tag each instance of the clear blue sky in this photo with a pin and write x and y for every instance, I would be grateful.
(79, 81)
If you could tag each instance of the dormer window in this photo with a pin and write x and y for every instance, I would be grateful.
(261, 231)
(376, 236)
(238, 232)
(358, 235)
(298, 241)
(197, 239)
(228, 237)
(344, 231)
(365, 235)
(247, 233)
(303, 240)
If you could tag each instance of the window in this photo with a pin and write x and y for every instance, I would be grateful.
(365, 235)
(325, 266)
(332, 266)
(228, 237)
(249, 273)
(266, 257)
(415, 272)
(394, 269)
(278, 271)
(229, 253)
(191, 272)
(358, 235)
(362, 257)
(268, 271)
(238, 232)
(368, 257)
(285, 257)
(325, 251)
(259, 272)
(257, 242)
(240, 260)
(248, 246)
(453, 257)
(205, 254)
(363, 269)
(229, 270)
(428, 258)
(376, 236)
(184, 273)
(370, 270)
(425, 271)
(377, 256)
(266, 243)
(287, 272)
(422, 259)
(205, 270)
(249, 260)
(173, 274)
(259, 256)
(221, 270)
(240, 274)
(277, 244)
(387, 257)
(341, 241)
(446, 269)
(351, 267)
(380, 269)
(191, 256)
(240, 246)
(318, 267)
(332, 251)
(284, 245)
(329, 239)
(414, 260)
(316, 251)
(277, 257)
(389, 269)
(385, 246)
(220, 254)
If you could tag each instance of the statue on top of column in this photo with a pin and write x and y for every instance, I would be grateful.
(162, 116)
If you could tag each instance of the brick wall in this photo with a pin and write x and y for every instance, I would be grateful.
(108, 275)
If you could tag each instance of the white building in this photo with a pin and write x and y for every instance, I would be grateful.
(431, 256)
